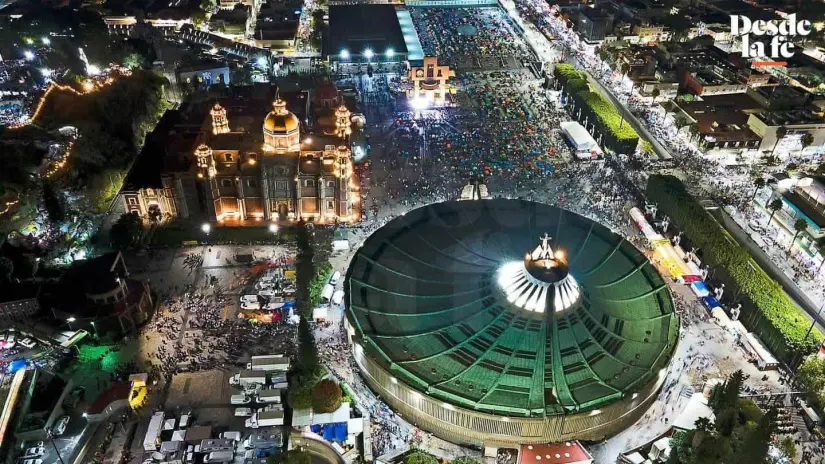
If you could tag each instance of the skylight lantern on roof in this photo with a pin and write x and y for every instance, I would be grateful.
(542, 277)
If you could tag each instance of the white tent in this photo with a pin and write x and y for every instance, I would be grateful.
(721, 317)
(320, 313)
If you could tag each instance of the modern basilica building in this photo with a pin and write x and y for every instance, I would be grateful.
(502, 322)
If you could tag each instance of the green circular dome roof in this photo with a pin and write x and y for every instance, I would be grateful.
(460, 300)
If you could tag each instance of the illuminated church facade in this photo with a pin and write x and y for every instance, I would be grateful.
(238, 171)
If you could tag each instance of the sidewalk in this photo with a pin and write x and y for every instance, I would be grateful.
(775, 272)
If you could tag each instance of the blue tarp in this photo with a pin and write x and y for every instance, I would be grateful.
(332, 432)
(16, 365)
(710, 302)
(288, 305)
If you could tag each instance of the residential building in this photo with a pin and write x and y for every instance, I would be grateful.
(650, 33)
(721, 122)
(235, 23)
(658, 90)
(780, 97)
(797, 123)
(594, 24)
(802, 198)
(276, 27)
(712, 80)
(637, 62)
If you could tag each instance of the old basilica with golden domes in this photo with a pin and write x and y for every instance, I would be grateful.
(238, 171)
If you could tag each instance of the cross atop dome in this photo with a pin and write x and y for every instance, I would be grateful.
(279, 107)
(543, 251)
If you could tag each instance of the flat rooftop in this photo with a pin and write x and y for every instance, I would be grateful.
(208, 393)
(356, 28)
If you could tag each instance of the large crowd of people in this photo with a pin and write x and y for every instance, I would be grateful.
(476, 32)
(202, 336)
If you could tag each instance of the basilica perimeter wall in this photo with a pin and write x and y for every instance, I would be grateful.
(463, 426)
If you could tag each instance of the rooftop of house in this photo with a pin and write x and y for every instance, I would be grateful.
(802, 116)
(723, 115)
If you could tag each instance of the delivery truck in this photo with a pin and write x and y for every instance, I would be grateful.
(269, 363)
(266, 418)
(248, 377)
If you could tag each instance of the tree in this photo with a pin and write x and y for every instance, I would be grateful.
(807, 140)
(703, 426)
(787, 447)
(655, 93)
(799, 226)
(126, 231)
(307, 353)
(759, 183)
(326, 396)
(300, 396)
(781, 132)
(6, 269)
(52, 203)
(774, 206)
(810, 378)
(754, 448)
(420, 457)
(465, 460)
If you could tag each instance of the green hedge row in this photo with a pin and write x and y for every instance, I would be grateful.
(767, 310)
(575, 82)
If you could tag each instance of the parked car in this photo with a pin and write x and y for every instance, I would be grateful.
(250, 306)
(249, 299)
(28, 342)
(60, 426)
(37, 451)
(32, 461)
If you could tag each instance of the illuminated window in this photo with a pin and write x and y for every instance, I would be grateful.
(309, 183)
(228, 157)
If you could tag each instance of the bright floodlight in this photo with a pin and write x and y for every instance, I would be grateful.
(344, 54)
(46, 41)
(419, 103)
(390, 53)
(71, 319)
(369, 54)
(28, 54)
(46, 72)
(261, 61)
(92, 70)
(206, 228)
(273, 228)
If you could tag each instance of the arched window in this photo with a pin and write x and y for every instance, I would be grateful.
(309, 183)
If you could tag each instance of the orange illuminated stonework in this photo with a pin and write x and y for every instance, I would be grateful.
(429, 82)
(245, 165)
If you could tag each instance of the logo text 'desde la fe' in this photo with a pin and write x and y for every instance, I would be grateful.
(780, 31)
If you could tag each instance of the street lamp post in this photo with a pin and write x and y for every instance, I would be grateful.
(813, 322)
